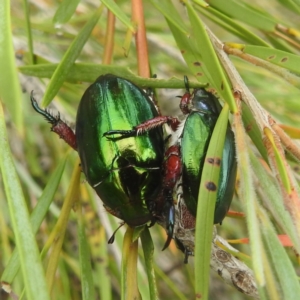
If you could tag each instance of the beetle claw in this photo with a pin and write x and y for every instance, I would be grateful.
(151, 224)
(170, 226)
(122, 134)
(167, 243)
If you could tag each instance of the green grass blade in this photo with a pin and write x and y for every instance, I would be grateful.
(253, 131)
(78, 72)
(36, 219)
(28, 29)
(280, 58)
(186, 45)
(169, 283)
(65, 11)
(288, 279)
(104, 278)
(192, 58)
(294, 6)
(210, 59)
(280, 44)
(10, 91)
(148, 249)
(57, 235)
(249, 199)
(232, 26)
(117, 11)
(129, 286)
(280, 162)
(206, 207)
(95, 232)
(171, 15)
(88, 290)
(69, 58)
(242, 12)
(31, 266)
(274, 201)
(89, 72)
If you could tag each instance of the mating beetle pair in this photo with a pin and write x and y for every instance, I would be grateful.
(130, 173)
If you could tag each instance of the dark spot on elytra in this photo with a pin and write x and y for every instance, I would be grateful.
(284, 59)
(272, 57)
(197, 64)
(199, 74)
(211, 186)
(198, 296)
(182, 51)
(222, 86)
(220, 272)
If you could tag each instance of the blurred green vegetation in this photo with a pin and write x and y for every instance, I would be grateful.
(47, 33)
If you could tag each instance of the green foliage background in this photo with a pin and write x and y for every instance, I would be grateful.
(43, 40)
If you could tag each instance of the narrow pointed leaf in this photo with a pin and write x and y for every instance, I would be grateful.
(216, 73)
(206, 207)
(10, 91)
(36, 218)
(31, 266)
(69, 58)
(65, 11)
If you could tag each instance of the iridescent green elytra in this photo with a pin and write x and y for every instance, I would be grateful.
(126, 173)
(195, 139)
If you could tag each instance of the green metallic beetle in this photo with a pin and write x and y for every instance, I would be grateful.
(189, 145)
(126, 173)
(194, 142)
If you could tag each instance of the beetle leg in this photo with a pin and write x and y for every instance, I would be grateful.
(151, 223)
(123, 134)
(143, 127)
(170, 225)
(156, 122)
(58, 126)
(172, 172)
(184, 249)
